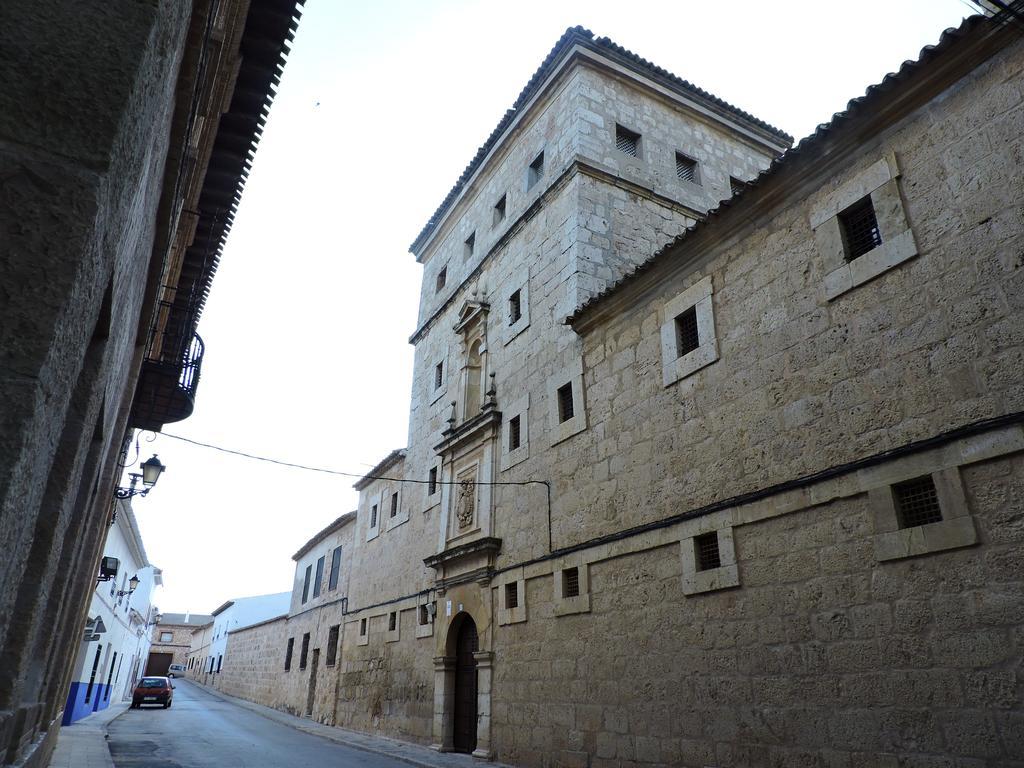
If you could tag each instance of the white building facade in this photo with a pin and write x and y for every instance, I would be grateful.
(236, 614)
(115, 641)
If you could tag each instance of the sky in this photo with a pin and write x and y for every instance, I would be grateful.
(381, 106)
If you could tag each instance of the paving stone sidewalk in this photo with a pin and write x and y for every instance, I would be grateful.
(413, 754)
(83, 744)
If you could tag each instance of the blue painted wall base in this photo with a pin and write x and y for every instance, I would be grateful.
(76, 706)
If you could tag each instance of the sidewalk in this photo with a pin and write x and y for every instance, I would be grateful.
(83, 744)
(413, 754)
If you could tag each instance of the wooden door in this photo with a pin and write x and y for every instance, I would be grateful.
(464, 737)
(311, 693)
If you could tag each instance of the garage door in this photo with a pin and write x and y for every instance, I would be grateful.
(159, 663)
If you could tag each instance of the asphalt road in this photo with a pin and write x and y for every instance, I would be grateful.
(201, 730)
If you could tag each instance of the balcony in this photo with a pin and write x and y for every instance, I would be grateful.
(167, 387)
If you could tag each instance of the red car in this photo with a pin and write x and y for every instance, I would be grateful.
(153, 690)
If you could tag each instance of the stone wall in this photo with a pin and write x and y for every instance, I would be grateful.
(253, 662)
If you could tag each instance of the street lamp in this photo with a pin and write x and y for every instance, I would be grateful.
(151, 471)
(133, 584)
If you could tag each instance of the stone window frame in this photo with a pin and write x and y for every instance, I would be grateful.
(520, 281)
(441, 279)
(372, 532)
(499, 211)
(954, 531)
(436, 393)
(515, 615)
(402, 516)
(565, 606)
(469, 245)
(520, 408)
(362, 638)
(726, 576)
(570, 374)
(533, 175)
(700, 297)
(431, 500)
(698, 180)
(425, 630)
(880, 182)
(636, 136)
(393, 635)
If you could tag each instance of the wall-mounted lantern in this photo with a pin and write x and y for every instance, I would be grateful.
(133, 584)
(151, 471)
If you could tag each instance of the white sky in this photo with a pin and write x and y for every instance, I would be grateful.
(381, 106)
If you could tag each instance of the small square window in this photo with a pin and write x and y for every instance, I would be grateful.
(705, 549)
(536, 171)
(571, 582)
(394, 504)
(513, 433)
(438, 375)
(373, 516)
(432, 481)
(860, 228)
(627, 141)
(362, 627)
(499, 211)
(686, 168)
(515, 307)
(917, 503)
(470, 244)
(442, 278)
(565, 404)
(392, 621)
(687, 335)
(512, 595)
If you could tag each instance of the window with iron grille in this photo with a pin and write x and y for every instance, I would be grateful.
(499, 211)
(438, 375)
(332, 645)
(424, 615)
(512, 595)
(571, 582)
(513, 433)
(319, 576)
(736, 186)
(860, 228)
(392, 621)
(565, 404)
(432, 481)
(515, 307)
(394, 503)
(687, 335)
(373, 516)
(305, 583)
(627, 141)
(535, 171)
(686, 168)
(304, 654)
(705, 549)
(332, 582)
(362, 627)
(470, 244)
(917, 503)
(442, 278)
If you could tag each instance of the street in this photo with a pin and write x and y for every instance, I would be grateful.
(204, 730)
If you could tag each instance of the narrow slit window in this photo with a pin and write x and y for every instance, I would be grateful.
(499, 210)
(514, 436)
(512, 595)
(470, 244)
(515, 307)
(332, 582)
(442, 278)
(332, 645)
(705, 548)
(362, 627)
(432, 481)
(424, 615)
(392, 621)
(304, 654)
(373, 516)
(438, 375)
(565, 405)
(917, 503)
(686, 168)
(687, 335)
(736, 186)
(571, 582)
(627, 141)
(394, 504)
(860, 228)
(535, 171)
(319, 576)
(305, 583)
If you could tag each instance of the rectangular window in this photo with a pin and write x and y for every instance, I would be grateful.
(917, 503)
(305, 583)
(373, 516)
(432, 481)
(332, 645)
(705, 550)
(332, 582)
(515, 307)
(686, 168)
(513, 433)
(166, 637)
(512, 595)
(424, 615)
(220, 661)
(499, 211)
(438, 375)
(565, 404)
(627, 141)
(394, 504)
(442, 278)
(687, 336)
(535, 171)
(470, 244)
(736, 186)
(110, 677)
(288, 653)
(304, 654)
(392, 621)
(362, 627)
(571, 582)
(860, 228)
(319, 576)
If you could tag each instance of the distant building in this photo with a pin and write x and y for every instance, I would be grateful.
(116, 638)
(237, 614)
(172, 638)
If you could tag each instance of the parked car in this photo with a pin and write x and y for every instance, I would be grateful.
(176, 670)
(153, 690)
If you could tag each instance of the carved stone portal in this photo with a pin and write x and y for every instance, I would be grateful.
(466, 504)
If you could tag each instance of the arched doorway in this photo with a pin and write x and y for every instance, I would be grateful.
(464, 717)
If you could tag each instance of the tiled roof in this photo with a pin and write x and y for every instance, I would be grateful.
(581, 36)
(873, 98)
(330, 528)
(193, 619)
(385, 463)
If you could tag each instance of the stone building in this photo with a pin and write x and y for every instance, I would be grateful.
(734, 488)
(172, 640)
(126, 132)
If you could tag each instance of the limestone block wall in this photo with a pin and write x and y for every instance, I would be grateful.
(254, 660)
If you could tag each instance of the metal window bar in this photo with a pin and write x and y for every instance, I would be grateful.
(438, 375)
(627, 141)
(565, 404)
(686, 168)
(432, 482)
(373, 516)
(705, 548)
(687, 334)
(571, 582)
(917, 503)
(513, 433)
(515, 307)
(512, 595)
(860, 229)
